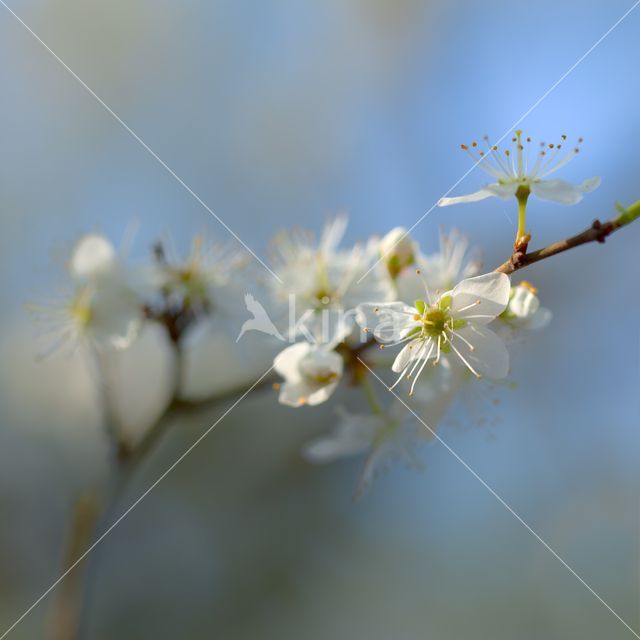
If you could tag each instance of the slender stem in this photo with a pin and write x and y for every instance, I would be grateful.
(598, 232)
(65, 617)
(522, 238)
(371, 396)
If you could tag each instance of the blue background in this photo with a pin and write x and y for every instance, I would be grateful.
(278, 114)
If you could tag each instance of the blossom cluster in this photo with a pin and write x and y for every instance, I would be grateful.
(410, 328)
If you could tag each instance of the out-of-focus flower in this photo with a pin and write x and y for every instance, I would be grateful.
(311, 373)
(440, 271)
(454, 323)
(322, 277)
(385, 438)
(514, 176)
(524, 310)
(93, 257)
(199, 282)
(398, 251)
(104, 308)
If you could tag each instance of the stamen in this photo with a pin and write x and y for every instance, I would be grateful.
(426, 287)
(457, 335)
(423, 348)
(413, 384)
(437, 360)
(473, 304)
(475, 373)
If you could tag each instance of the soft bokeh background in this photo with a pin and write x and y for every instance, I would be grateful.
(277, 114)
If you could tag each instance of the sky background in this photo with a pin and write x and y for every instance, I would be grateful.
(279, 114)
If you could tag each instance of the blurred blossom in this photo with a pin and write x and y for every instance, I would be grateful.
(440, 271)
(207, 280)
(311, 373)
(385, 438)
(398, 251)
(322, 276)
(524, 311)
(103, 309)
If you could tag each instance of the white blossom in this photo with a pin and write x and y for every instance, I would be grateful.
(441, 270)
(398, 251)
(384, 438)
(515, 176)
(311, 373)
(323, 278)
(205, 280)
(104, 308)
(524, 310)
(454, 324)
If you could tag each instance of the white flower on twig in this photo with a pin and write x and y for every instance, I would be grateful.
(311, 373)
(524, 310)
(440, 271)
(453, 324)
(515, 175)
(104, 308)
(320, 275)
(384, 438)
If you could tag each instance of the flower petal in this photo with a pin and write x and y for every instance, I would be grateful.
(287, 362)
(92, 256)
(496, 190)
(482, 298)
(489, 357)
(408, 353)
(540, 319)
(321, 394)
(389, 321)
(563, 192)
(294, 394)
(353, 435)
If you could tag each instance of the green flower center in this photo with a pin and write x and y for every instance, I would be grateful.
(435, 321)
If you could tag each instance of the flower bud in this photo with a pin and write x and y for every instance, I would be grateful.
(398, 250)
(524, 302)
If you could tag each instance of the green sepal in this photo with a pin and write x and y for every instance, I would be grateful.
(420, 305)
(458, 324)
(445, 302)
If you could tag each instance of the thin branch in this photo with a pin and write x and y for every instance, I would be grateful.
(597, 232)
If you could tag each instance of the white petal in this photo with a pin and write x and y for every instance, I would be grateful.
(116, 316)
(294, 394)
(320, 362)
(563, 192)
(489, 356)
(524, 303)
(353, 435)
(540, 319)
(389, 321)
(496, 190)
(332, 233)
(287, 362)
(322, 394)
(408, 353)
(93, 255)
(482, 297)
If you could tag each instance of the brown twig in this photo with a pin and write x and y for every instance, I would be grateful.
(597, 232)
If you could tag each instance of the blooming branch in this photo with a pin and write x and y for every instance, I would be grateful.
(597, 232)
